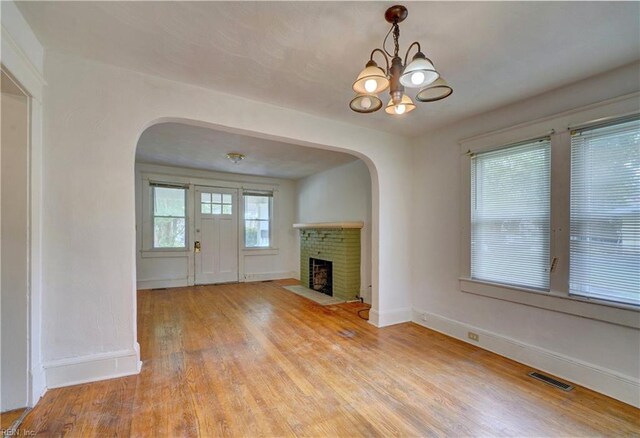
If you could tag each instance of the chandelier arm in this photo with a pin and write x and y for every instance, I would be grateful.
(384, 55)
(406, 57)
(384, 43)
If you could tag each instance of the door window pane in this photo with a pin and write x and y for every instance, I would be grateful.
(216, 203)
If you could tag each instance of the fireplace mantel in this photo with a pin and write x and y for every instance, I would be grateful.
(330, 225)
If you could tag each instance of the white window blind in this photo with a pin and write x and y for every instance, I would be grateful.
(605, 212)
(510, 211)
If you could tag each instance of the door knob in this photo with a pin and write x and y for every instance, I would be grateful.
(196, 246)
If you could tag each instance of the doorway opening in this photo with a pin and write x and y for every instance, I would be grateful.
(14, 255)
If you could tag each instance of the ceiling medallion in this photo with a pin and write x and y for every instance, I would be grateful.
(235, 157)
(419, 73)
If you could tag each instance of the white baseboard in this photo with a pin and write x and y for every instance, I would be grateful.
(389, 317)
(91, 368)
(605, 381)
(38, 384)
(264, 276)
(161, 283)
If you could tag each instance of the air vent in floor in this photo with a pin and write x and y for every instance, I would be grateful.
(551, 381)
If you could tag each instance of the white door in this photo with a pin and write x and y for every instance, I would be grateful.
(216, 237)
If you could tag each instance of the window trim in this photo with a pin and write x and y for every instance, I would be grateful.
(264, 250)
(152, 199)
(558, 127)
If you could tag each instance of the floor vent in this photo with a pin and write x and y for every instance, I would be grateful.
(551, 381)
(159, 288)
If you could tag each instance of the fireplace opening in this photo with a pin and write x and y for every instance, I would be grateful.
(321, 276)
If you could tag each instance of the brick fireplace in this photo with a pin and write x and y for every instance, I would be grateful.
(333, 249)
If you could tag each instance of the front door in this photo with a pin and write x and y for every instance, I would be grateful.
(216, 226)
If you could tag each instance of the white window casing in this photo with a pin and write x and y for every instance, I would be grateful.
(557, 295)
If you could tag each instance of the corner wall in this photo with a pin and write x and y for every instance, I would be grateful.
(340, 194)
(593, 353)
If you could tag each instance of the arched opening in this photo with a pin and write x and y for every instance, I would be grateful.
(202, 219)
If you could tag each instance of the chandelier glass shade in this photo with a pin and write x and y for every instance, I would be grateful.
(365, 103)
(404, 106)
(437, 90)
(398, 76)
(371, 80)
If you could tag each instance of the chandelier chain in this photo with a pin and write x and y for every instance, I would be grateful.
(396, 38)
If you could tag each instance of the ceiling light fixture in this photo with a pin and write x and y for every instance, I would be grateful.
(419, 73)
(235, 157)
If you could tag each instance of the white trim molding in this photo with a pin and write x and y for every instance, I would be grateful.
(330, 225)
(555, 301)
(162, 283)
(91, 368)
(17, 42)
(266, 276)
(389, 317)
(608, 382)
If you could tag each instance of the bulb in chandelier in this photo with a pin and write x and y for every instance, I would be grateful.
(417, 78)
(370, 85)
(400, 109)
(365, 103)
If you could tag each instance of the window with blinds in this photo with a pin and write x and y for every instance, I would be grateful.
(605, 212)
(510, 215)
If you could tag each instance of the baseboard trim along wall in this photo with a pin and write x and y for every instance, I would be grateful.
(183, 282)
(162, 283)
(605, 381)
(389, 317)
(266, 276)
(91, 368)
(38, 384)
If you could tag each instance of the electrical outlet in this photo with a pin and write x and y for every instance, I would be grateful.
(424, 316)
(473, 336)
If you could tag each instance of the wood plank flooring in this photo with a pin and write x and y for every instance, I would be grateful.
(254, 360)
(8, 418)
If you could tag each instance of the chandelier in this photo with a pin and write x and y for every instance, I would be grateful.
(419, 73)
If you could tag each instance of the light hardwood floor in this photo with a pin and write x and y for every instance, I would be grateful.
(251, 360)
(8, 418)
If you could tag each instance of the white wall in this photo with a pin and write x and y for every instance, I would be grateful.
(15, 245)
(597, 354)
(95, 115)
(340, 194)
(254, 265)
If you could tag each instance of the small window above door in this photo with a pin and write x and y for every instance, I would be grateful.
(216, 203)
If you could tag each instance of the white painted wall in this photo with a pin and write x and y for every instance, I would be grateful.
(15, 245)
(254, 264)
(95, 115)
(340, 194)
(22, 56)
(594, 353)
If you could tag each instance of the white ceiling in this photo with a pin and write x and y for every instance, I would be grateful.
(195, 147)
(305, 55)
